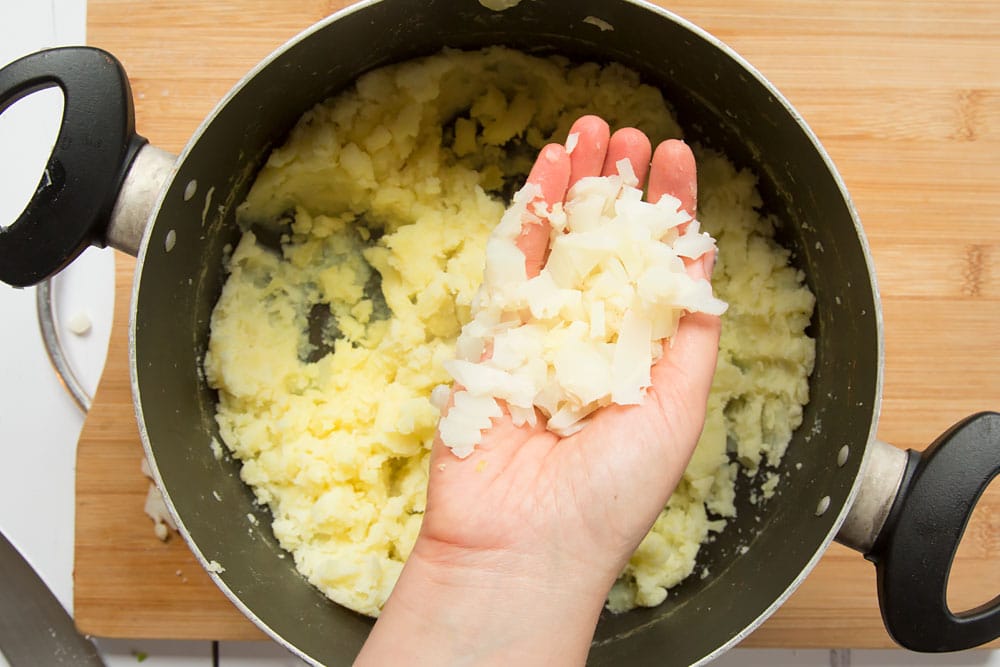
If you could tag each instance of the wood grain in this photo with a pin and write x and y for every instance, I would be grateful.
(905, 96)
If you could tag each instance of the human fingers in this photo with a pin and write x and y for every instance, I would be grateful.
(551, 173)
(673, 173)
(588, 137)
(632, 144)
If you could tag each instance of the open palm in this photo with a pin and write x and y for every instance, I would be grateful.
(581, 503)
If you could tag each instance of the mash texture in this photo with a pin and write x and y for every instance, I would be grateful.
(325, 346)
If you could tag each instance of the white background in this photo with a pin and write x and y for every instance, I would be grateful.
(40, 424)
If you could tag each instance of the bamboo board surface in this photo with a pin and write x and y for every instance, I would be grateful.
(905, 96)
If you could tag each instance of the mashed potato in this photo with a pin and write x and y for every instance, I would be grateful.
(325, 347)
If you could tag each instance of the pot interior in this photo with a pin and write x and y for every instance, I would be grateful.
(721, 103)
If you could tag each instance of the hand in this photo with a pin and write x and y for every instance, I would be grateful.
(522, 540)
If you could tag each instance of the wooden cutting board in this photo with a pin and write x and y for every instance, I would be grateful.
(905, 97)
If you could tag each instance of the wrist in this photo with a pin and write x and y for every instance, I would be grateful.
(460, 606)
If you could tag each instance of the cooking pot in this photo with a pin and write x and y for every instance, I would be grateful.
(105, 185)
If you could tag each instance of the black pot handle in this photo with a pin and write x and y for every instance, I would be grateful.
(96, 145)
(914, 552)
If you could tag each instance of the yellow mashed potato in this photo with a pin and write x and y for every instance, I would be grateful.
(383, 198)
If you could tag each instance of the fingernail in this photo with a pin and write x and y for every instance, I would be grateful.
(551, 153)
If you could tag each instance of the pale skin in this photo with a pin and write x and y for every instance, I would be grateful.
(522, 540)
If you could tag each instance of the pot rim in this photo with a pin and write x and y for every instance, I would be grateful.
(697, 32)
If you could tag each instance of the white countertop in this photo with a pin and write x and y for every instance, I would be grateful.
(40, 423)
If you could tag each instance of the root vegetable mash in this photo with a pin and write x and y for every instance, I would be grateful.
(325, 347)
